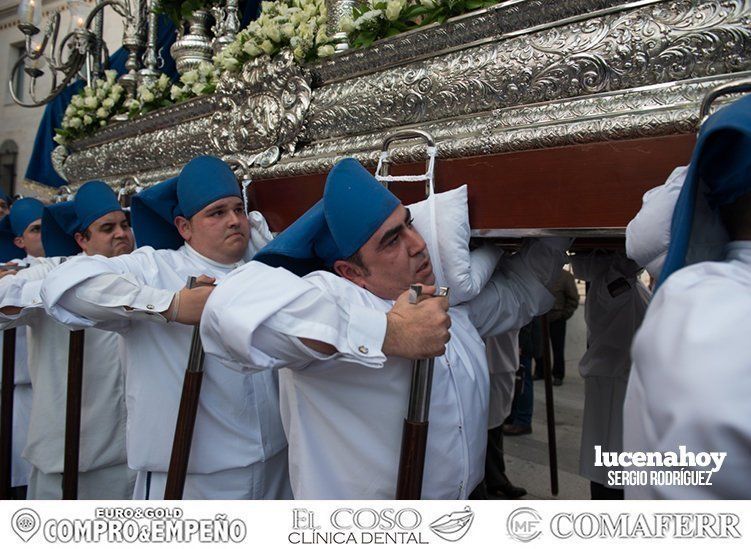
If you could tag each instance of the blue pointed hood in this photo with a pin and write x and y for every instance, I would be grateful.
(203, 180)
(720, 172)
(353, 207)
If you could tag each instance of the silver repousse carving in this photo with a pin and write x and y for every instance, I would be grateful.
(656, 43)
(613, 70)
(264, 105)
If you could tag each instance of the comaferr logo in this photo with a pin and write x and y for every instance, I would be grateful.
(524, 524)
(640, 525)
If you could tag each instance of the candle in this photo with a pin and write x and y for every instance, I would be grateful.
(30, 12)
(80, 22)
(33, 60)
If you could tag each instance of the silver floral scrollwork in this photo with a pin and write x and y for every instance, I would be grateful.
(262, 107)
(58, 156)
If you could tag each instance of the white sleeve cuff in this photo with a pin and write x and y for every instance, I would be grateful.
(365, 334)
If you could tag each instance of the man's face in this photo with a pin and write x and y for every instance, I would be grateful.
(392, 259)
(220, 231)
(110, 235)
(31, 239)
(4, 208)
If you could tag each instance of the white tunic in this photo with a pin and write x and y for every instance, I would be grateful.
(343, 414)
(20, 468)
(690, 381)
(102, 401)
(611, 325)
(238, 420)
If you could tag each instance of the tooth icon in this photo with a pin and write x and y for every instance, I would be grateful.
(453, 526)
(25, 523)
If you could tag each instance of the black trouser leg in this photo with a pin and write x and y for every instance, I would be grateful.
(495, 467)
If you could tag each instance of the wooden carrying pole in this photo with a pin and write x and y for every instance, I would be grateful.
(415, 432)
(186, 416)
(6, 412)
(549, 409)
(73, 415)
(6, 405)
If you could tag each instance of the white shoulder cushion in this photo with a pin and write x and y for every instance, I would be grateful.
(648, 234)
(447, 238)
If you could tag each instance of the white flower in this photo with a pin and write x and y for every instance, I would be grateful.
(252, 49)
(205, 69)
(70, 109)
(77, 101)
(305, 33)
(190, 77)
(288, 30)
(198, 88)
(393, 10)
(108, 103)
(267, 47)
(321, 36)
(59, 139)
(346, 24)
(430, 4)
(102, 123)
(110, 76)
(367, 17)
(325, 51)
(101, 112)
(163, 82)
(299, 53)
(272, 32)
(117, 90)
(90, 102)
(147, 96)
(87, 119)
(176, 93)
(230, 64)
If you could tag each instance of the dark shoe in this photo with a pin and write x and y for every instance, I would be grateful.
(557, 381)
(506, 490)
(516, 430)
(538, 377)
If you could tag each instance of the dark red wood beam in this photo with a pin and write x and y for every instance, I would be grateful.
(595, 185)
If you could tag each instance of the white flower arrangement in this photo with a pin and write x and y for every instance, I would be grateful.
(377, 19)
(91, 108)
(299, 25)
(150, 96)
(199, 81)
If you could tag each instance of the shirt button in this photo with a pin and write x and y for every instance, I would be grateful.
(149, 306)
(363, 349)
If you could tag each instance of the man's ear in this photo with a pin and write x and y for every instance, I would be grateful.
(351, 272)
(18, 241)
(80, 240)
(184, 228)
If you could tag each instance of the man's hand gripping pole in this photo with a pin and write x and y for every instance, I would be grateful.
(415, 433)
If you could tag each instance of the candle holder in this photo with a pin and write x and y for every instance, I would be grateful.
(81, 50)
